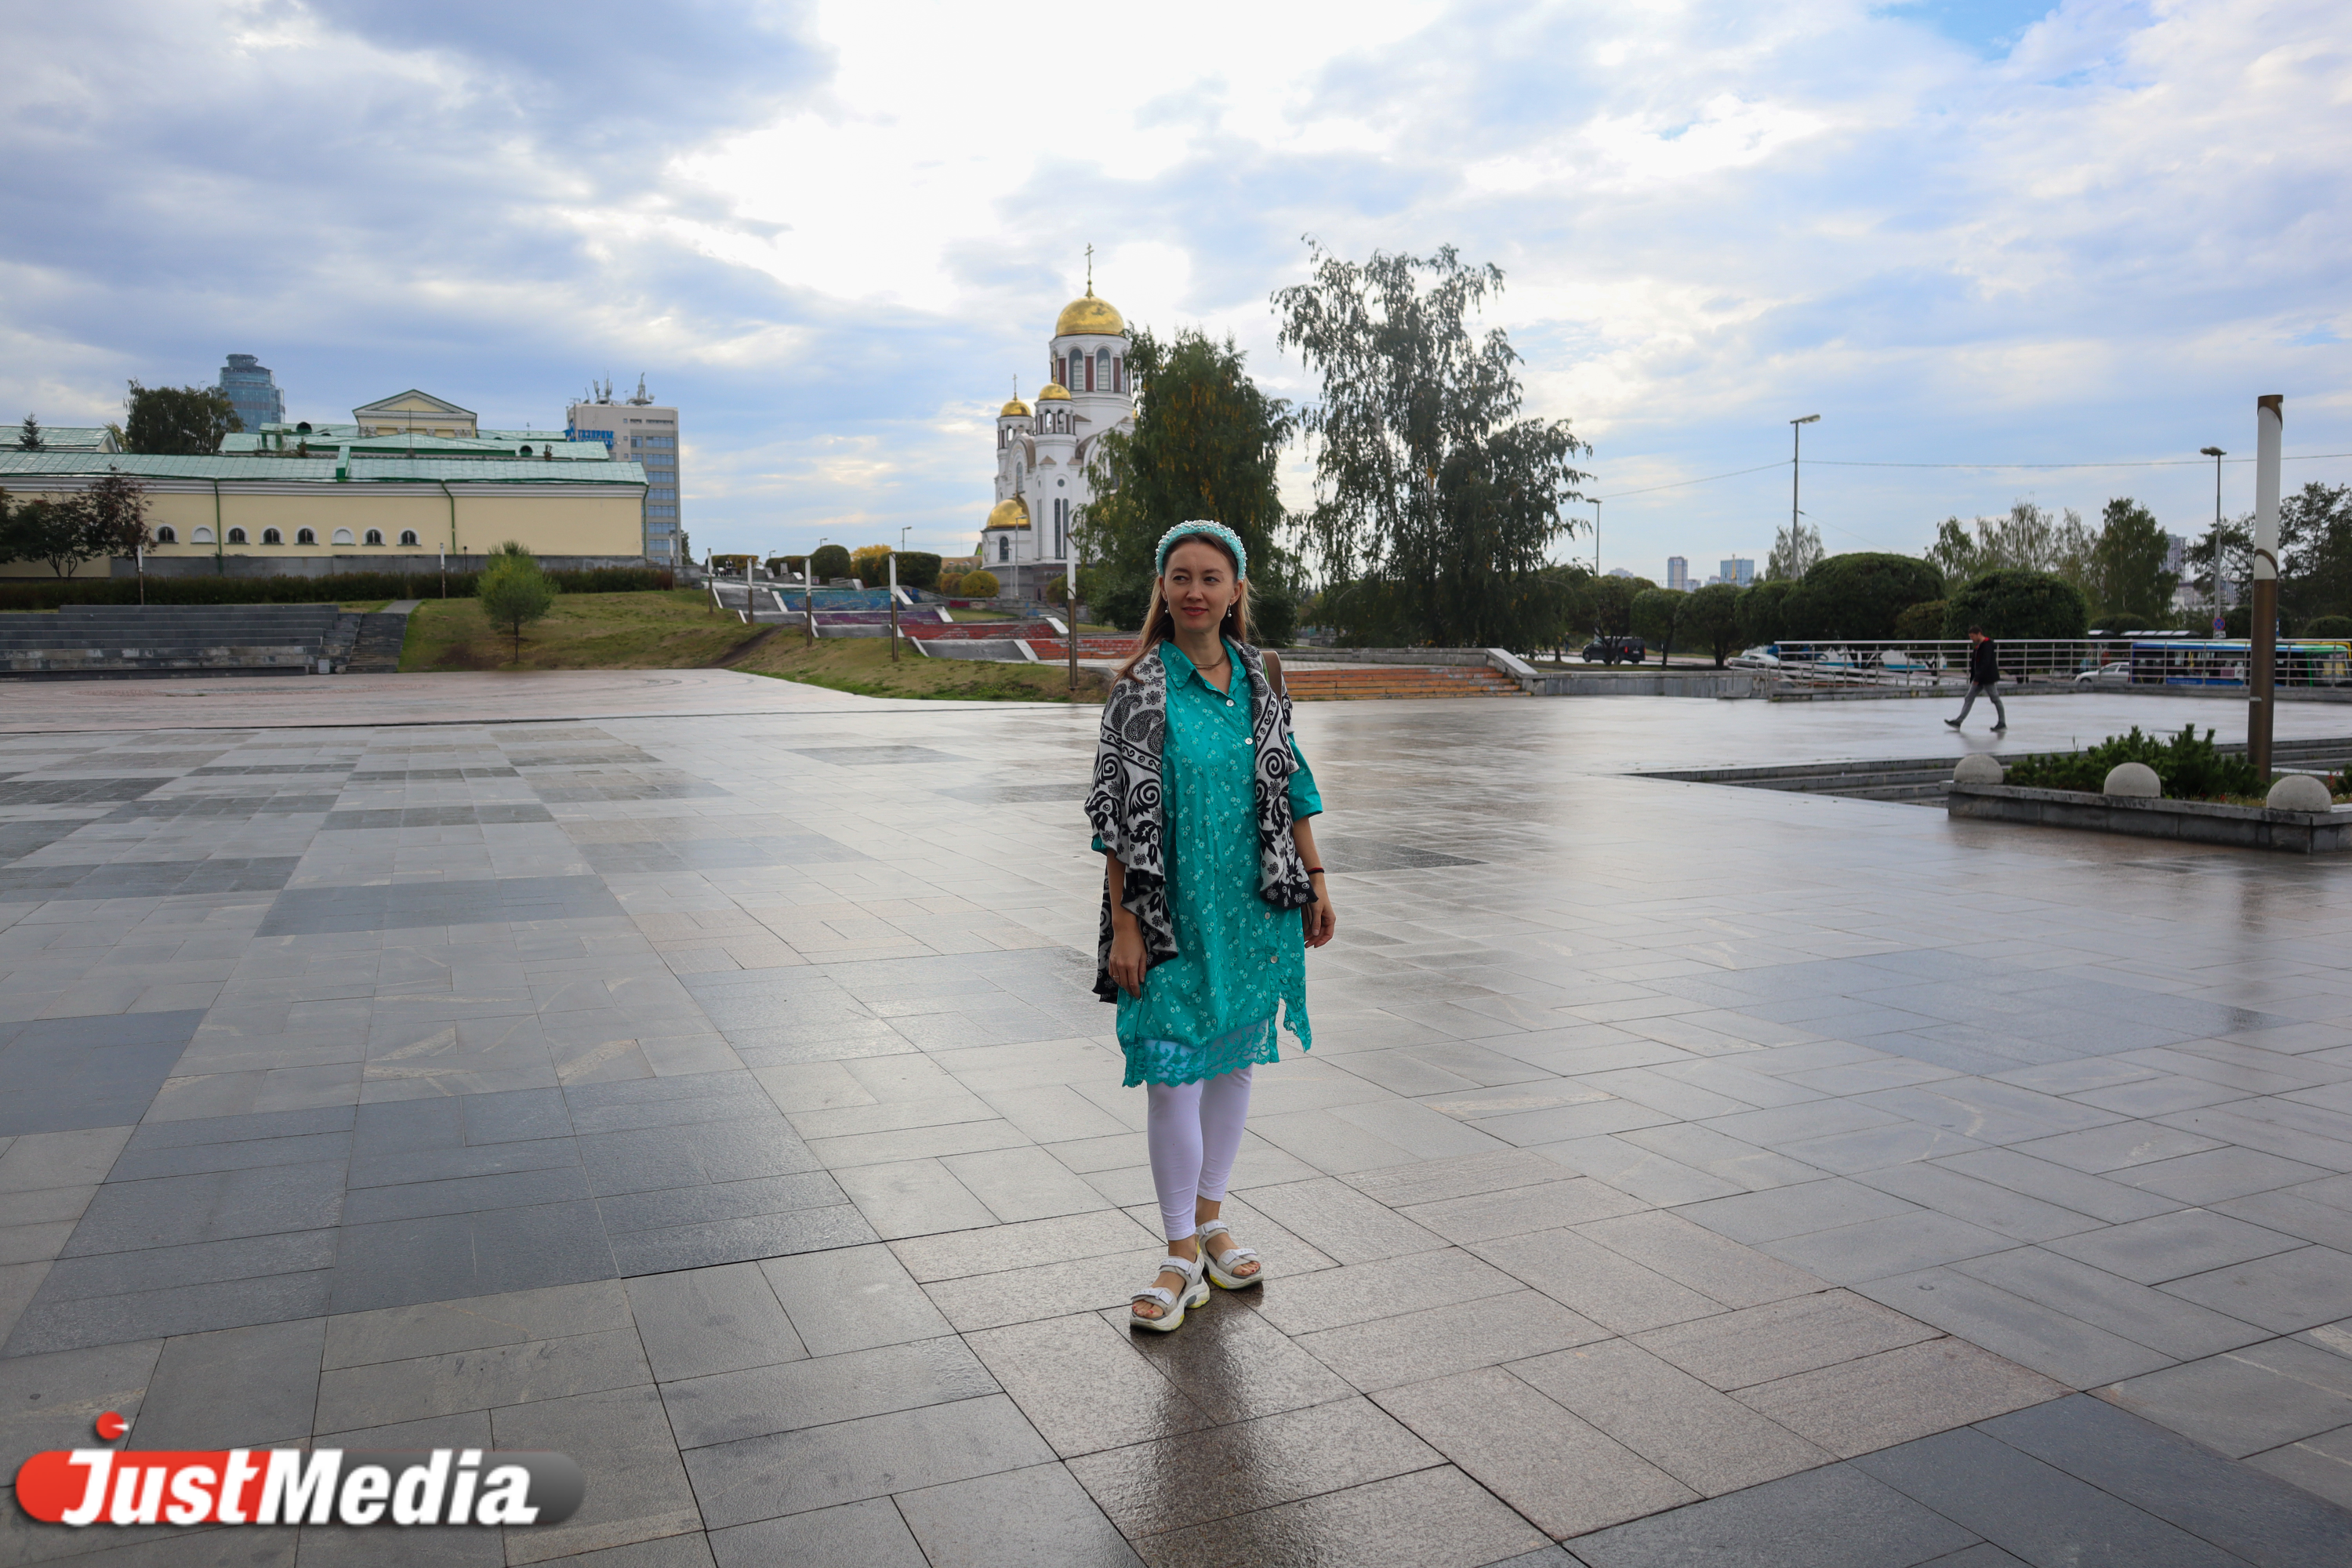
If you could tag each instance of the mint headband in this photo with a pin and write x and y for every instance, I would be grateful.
(1216, 531)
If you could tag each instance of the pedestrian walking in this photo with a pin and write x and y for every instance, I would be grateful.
(1213, 892)
(1984, 680)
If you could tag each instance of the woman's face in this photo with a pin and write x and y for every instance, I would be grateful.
(1198, 587)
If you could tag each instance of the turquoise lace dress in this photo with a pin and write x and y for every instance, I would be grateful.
(1212, 1007)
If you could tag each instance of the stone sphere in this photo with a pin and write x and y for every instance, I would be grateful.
(2299, 791)
(2136, 780)
(1978, 767)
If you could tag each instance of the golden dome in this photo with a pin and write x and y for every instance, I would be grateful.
(1008, 514)
(1054, 392)
(1089, 315)
(1016, 409)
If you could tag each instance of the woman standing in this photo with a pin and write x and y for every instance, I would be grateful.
(1199, 806)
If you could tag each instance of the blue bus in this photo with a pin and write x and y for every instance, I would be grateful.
(2191, 661)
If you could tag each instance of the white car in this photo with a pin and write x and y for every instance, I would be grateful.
(2117, 672)
(1755, 658)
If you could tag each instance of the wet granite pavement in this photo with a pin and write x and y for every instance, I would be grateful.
(1685, 1174)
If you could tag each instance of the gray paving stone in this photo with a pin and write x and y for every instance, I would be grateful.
(2245, 1401)
(2138, 1312)
(619, 1435)
(1430, 1518)
(1875, 1249)
(2173, 1245)
(59, 1075)
(1439, 1341)
(2060, 1347)
(759, 1402)
(871, 1534)
(2273, 1525)
(1836, 1517)
(238, 1388)
(1710, 1443)
(700, 1322)
(1874, 1402)
(2031, 1509)
(820, 1467)
(1613, 1290)
(853, 1297)
(1758, 1345)
(2283, 1292)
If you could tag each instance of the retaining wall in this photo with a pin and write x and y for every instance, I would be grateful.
(2195, 821)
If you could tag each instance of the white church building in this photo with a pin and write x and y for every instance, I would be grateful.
(1042, 454)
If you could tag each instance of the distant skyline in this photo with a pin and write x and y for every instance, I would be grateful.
(832, 235)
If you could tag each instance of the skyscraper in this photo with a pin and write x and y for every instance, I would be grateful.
(638, 431)
(1678, 574)
(252, 391)
(1738, 570)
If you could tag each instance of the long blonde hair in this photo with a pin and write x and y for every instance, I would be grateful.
(1159, 626)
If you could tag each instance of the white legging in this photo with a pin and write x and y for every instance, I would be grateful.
(1195, 1131)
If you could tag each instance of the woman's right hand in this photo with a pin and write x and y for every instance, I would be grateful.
(1127, 961)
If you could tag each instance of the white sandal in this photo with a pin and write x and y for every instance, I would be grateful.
(1173, 1305)
(1220, 1269)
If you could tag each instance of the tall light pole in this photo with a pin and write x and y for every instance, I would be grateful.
(1596, 536)
(2216, 455)
(1795, 461)
(2262, 623)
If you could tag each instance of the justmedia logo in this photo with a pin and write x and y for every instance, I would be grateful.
(295, 1485)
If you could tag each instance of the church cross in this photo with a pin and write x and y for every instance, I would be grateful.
(1090, 271)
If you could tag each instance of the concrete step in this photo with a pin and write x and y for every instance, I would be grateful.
(1373, 681)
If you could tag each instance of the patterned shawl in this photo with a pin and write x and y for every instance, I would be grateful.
(1128, 806)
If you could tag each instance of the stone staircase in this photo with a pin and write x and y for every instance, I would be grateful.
(376, 650)
(1363, 681)
(128, 641)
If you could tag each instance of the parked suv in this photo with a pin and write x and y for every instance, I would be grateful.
(1611, 651)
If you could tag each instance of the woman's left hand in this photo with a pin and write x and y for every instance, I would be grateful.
(1322, 920)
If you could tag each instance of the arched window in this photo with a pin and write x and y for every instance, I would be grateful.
(1102, 364)
(236, 536)
(1005, 547)
(167, 534)
(201, 536)
(408, 536)
(1061, 370)
(342, 535)
(375, 536)
(308, 535)
(526, 450)
(271, 536)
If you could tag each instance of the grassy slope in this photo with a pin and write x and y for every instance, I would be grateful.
(863, 665)
(673, 630)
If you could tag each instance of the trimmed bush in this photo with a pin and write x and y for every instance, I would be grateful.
(918, 569)
(1858, 595)
(952, 585)
(2188, 767)
(978, 586)
(1922, 622)
(2329, 628)
(2015, 602)
(829, 562)
(1763, 612)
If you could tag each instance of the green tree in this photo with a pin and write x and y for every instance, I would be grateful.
(1207, 443)
(979, 585)
(514, 592)
(1922, 622)
(177, 421)
(830, 561)
(1955, 553)
(2124, 575)
(1796, 549)
(918, 569)
(58, 532)
(1657, 615)
(1429, 482)
(2013, 602)
(1857, 596)
(28, 434)
(1610, 601)
(1763, 611)
(1713, 620)
(2315, 553)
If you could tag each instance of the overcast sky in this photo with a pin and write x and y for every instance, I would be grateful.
(1968, 232)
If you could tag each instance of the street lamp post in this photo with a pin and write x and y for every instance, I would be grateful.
(2262, 623)
(2216, 455)
(1796, 462)
(1596, 536)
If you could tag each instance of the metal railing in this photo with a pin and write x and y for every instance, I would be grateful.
(2046, 664)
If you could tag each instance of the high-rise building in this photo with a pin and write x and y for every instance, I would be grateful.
(1678, 575)
(639, 431)
(252, 391)
(1737, 569)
